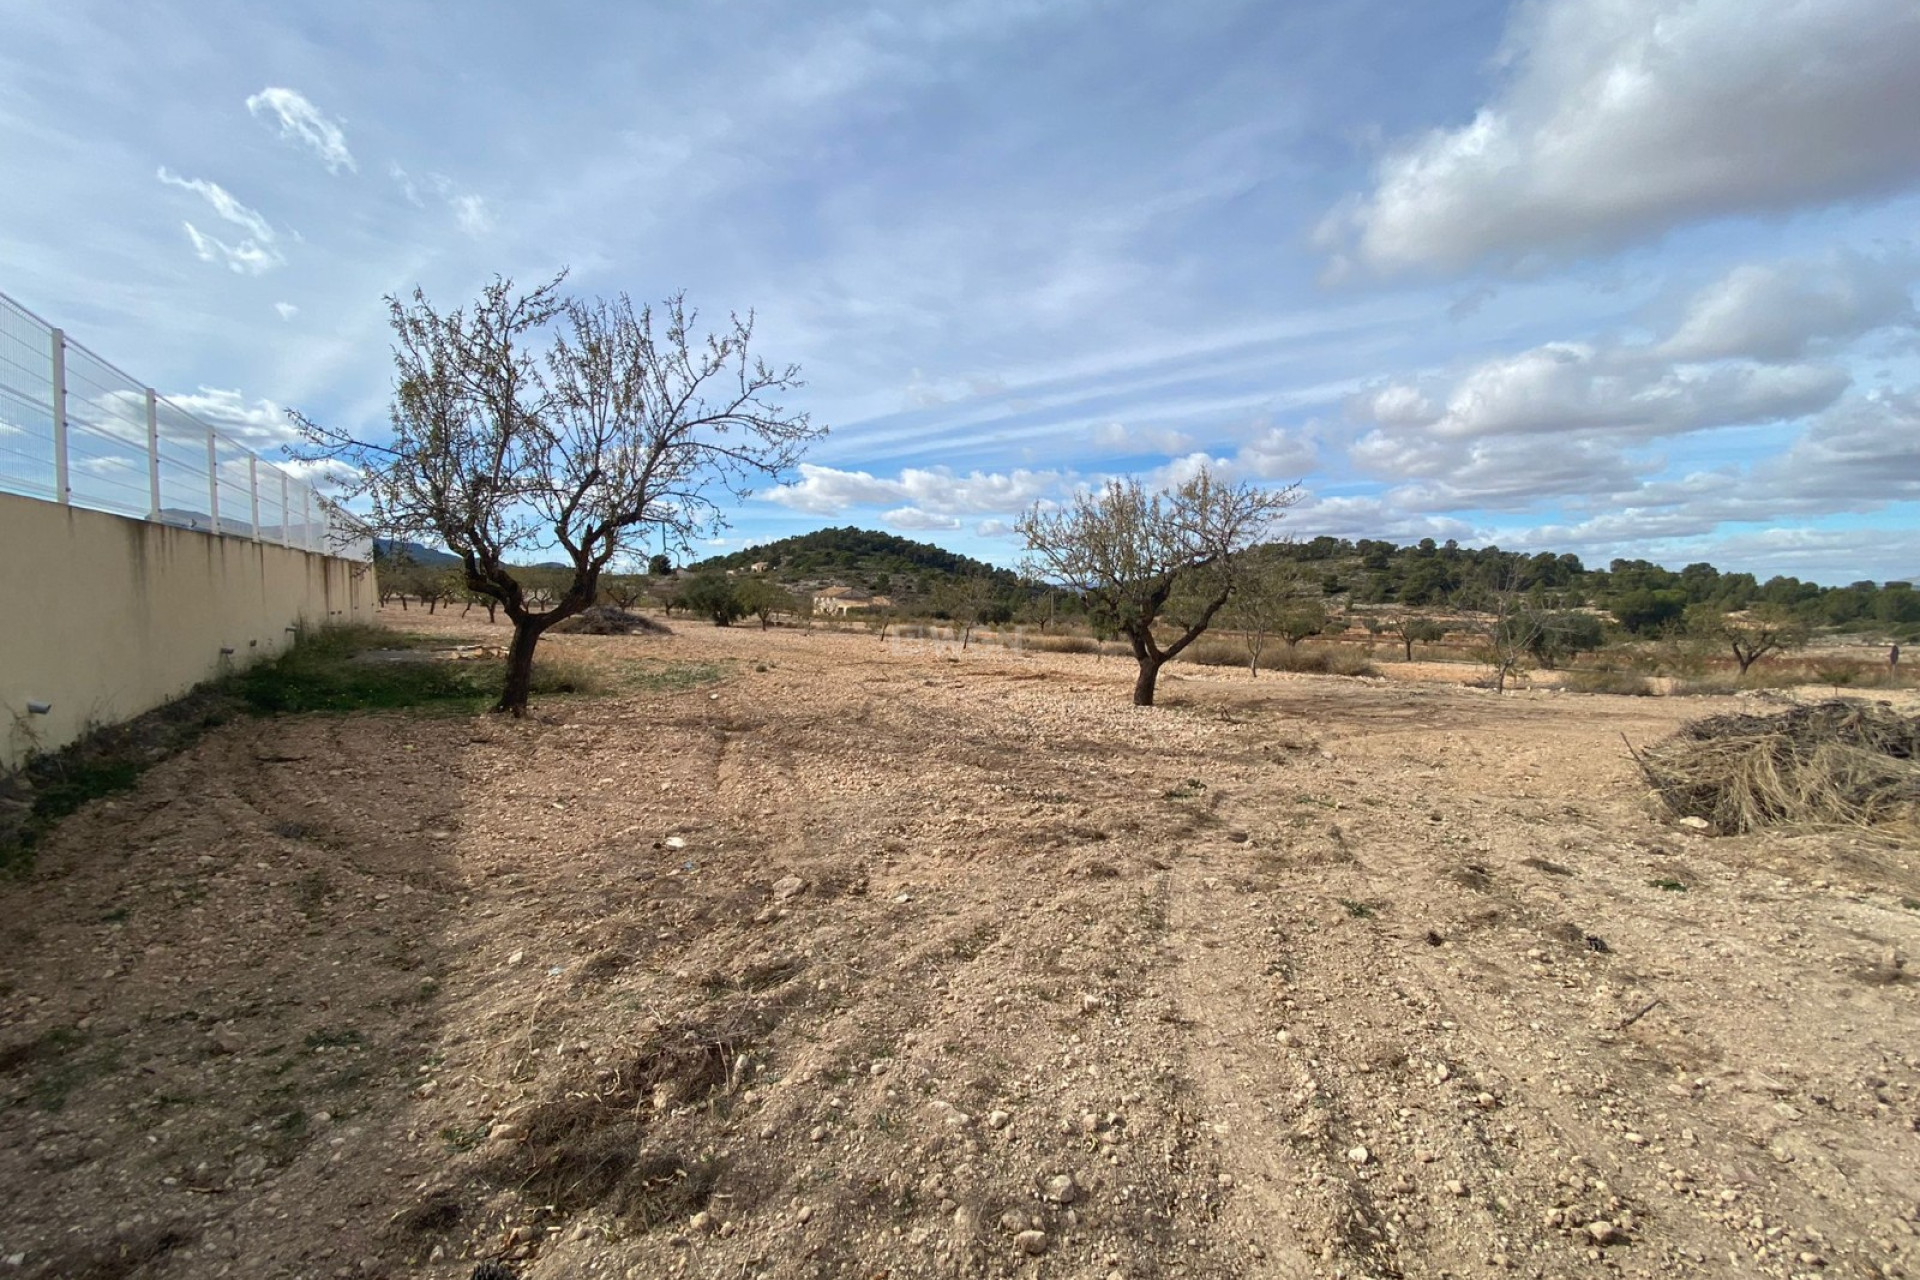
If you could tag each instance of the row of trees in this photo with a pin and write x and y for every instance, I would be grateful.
(1645, 597)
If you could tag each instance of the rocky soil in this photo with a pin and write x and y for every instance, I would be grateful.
(805, 955)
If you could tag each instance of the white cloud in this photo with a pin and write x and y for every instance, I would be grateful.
(1621, 119)
(1401, 406)
(1571, 386)
(470, 212)
(1864, 450)
(915, 518)
(994, 529)
(1369, 517)
(223, 204)
(301, 121)
(252, 255)
(407, 188)
(1275, 454)
(1160, 440)
(286, 309)
(935, 491)
(1508, 474)
(245, 258)
(1778, 311)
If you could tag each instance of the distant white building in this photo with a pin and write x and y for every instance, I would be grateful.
(842, 600)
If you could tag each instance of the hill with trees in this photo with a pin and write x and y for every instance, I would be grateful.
(880, 562)
(1367, 575)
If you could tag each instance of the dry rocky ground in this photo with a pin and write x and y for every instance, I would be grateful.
(799, 954)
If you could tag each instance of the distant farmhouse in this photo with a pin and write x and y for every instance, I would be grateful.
(841, 601)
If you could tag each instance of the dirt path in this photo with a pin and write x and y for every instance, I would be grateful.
(804, 955)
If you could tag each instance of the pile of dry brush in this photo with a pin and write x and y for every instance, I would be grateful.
(606, 620)
(1843, 761)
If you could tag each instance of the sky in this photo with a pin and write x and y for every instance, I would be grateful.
(1622, 278)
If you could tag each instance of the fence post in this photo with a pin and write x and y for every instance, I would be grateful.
(306, 516)
(153, 455)
(61, 493)
(286, 517)
(213, 481)
(253, 496)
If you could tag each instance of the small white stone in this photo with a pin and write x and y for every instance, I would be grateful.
(1359, 1155)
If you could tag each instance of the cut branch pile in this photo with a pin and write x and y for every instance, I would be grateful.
(606, 620)
(1842, 762)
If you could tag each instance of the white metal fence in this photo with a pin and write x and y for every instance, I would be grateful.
(77, 431)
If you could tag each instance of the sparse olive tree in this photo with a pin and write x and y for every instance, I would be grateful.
(1564, 634)
(762, 599)
(713, 596)
(1412, 629)
(1301, 620)
(533, 422)
(1128, 552)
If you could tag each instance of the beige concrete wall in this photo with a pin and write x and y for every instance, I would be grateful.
(106, 617)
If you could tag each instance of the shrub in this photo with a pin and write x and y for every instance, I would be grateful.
(1061, 644)
(1607, 680)
(1214, 653)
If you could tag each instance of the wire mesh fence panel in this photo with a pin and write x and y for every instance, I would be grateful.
(26, 404)
(65, 412)
(106, 437)
(236, 493)
(273, 511)
(184, 486)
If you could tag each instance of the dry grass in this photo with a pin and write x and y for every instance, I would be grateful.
(1837, 762)
(1060, 644)
(1304, 659)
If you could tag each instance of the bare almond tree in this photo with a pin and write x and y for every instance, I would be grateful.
(1266, 595)
(532, 422)
(1128, 553)
(1752, 635)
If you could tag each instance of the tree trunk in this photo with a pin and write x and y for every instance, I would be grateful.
(1744, 659)
(526, 634)
(1150, 661)
(1409, 651)
(1143, 686)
